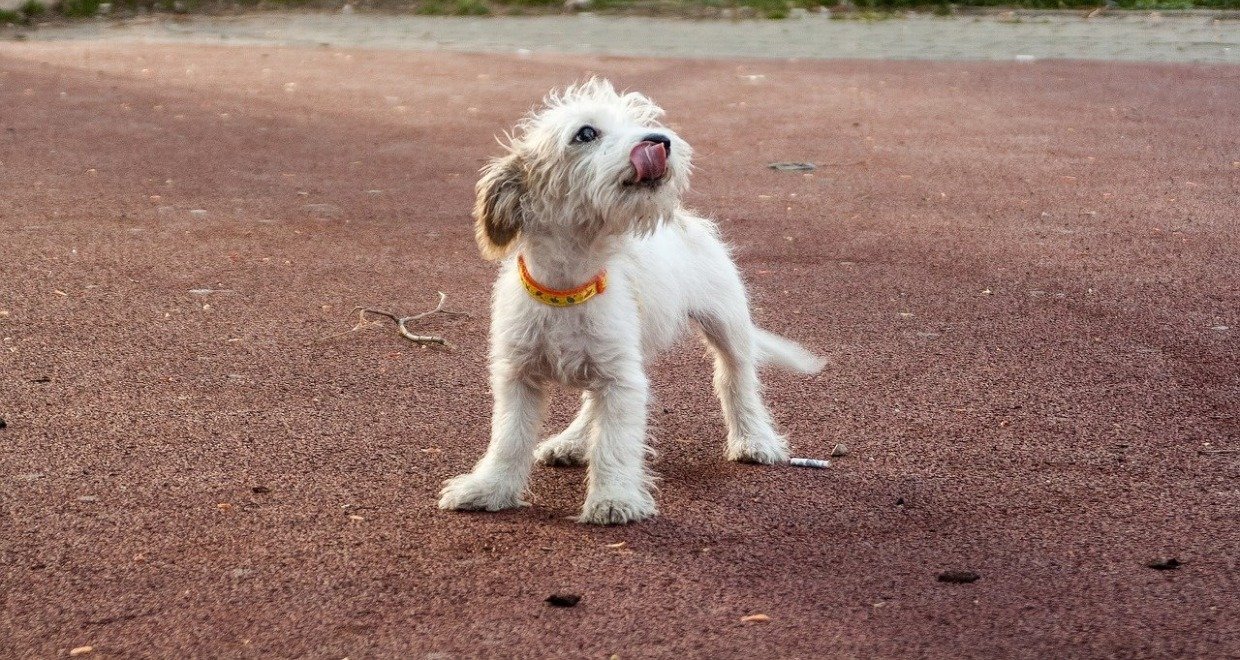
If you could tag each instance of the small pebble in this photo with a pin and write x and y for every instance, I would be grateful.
(563, 600)
(958, 577)
(1165, 564)
(840, 451)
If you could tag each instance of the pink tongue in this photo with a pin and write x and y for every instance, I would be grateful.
(650, 161)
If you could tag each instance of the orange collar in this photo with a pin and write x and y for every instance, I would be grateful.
(557, 298)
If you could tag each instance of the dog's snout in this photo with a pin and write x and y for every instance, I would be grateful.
(659, 138)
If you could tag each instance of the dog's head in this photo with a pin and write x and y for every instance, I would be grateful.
(590, 160)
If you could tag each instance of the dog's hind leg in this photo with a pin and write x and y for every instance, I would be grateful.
(732, 338)
(499, 479)
(570, 446)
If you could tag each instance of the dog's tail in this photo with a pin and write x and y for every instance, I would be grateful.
(773, 349)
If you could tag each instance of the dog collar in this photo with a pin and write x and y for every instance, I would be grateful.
(557, 298)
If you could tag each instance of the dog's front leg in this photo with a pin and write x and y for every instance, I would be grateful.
(499, 479)
(617, 486)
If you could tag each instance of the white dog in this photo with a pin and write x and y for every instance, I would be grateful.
(609, 268)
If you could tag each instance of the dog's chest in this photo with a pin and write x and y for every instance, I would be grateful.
(568, 348)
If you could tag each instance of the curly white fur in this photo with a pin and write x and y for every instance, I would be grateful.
(571, 209)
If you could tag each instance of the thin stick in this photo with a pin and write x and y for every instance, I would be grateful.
(402, 323)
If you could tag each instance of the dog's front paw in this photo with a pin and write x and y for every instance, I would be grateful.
(765, 449)
(561, 451)
(618, 510)
(473, 492)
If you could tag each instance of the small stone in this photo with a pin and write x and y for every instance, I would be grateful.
(223, 506)
(840, 451)
(958, 577)
(1165, 564)
(563, 600)
(756, 618)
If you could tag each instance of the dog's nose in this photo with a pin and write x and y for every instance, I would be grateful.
(659, 138)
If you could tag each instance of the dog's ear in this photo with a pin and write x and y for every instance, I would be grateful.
(498, 213)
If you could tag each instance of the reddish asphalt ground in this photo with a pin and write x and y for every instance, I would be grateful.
(1026, 277)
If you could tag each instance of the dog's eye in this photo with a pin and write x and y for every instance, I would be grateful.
(586, 134)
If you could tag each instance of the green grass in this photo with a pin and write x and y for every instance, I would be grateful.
(24, 14)
(453, 8)
(32, 9)
(79, 8)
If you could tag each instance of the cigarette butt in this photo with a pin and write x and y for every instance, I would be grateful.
(809, 463)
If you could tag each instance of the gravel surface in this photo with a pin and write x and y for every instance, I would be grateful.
(1025, 36)
(1025, 276)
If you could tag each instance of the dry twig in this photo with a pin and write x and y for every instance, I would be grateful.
(402, 323)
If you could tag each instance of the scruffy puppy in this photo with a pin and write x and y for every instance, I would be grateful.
(607, 268)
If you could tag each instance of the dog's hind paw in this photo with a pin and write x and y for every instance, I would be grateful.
(471, 492)
(618, 511)
(759, 449)
(558, 451)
